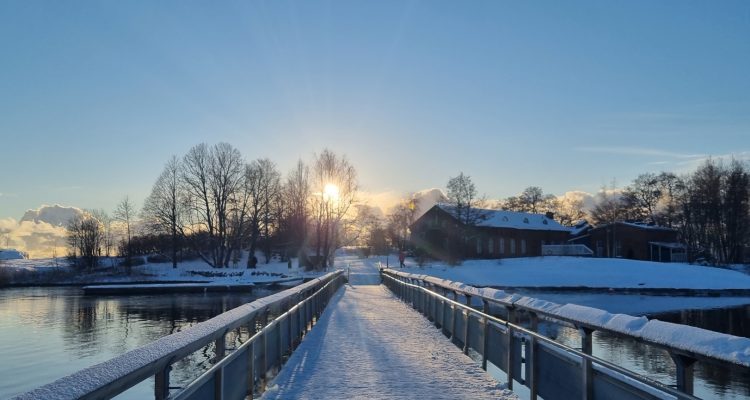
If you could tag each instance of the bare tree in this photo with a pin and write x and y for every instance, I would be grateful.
(334, 185)
(269, 195)
(85, 239)
(569, 211)
(124, 213)
(462, 195)
(531, 200)
(399, 220)
(164, 209)
(296, 198)
(212, 176)
(644, 194)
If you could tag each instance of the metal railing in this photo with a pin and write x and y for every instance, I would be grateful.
(548, 368)
(235, 376)
(566, 250)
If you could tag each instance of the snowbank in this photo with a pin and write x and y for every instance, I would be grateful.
(602, 273)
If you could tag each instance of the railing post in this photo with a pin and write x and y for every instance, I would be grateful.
(684, 372)
(486, 332)
(220, 347)
(587, 373)
(251, 371)
(531, 367)
(467, 317)
(219, 384)
(454, 309)
(161, 384)
(510, 357)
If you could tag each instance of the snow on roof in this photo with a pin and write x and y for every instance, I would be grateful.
(639, 225)
(511, 219)
(579, 228)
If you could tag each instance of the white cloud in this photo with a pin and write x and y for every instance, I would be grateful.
(587, 199)
(40, 232)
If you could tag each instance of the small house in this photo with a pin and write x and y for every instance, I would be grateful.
(631, 240)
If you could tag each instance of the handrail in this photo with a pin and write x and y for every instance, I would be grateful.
(519, 329)
(247, 349)
(112, 377)
(540, 308)
(684, 358)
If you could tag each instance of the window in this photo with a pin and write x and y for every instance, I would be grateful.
(490, 246)
(512, 246)
(502, 246)
(525, 220)
(479, 246)
(544, 222)
(523, 246)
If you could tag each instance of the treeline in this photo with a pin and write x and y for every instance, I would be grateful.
(709, 207)
(213, 204)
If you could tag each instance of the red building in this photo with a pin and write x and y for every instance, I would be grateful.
(630, 240)
(494, 234)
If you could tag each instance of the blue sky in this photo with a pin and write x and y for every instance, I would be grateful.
(96, 96)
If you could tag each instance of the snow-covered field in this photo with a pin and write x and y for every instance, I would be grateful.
(599, 273)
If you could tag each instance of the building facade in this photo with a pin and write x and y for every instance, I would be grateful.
(633, 241)
(493, 234)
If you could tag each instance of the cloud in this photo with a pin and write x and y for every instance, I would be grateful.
(587, 199)
(40, 232)
(56, 215)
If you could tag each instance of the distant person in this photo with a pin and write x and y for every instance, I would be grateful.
(401, 258)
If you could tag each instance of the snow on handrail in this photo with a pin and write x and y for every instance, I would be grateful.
(116, 375)
(682, 339)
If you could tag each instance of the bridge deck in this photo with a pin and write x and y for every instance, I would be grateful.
(370, 345)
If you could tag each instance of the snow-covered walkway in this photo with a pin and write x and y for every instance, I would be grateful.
(368, 344)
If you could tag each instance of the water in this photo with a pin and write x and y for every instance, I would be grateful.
(711, 382)
(48, 333)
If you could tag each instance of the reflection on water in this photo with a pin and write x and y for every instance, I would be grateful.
(48, 333)
(711, 381)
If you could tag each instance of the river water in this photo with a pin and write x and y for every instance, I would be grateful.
(47, 333)
(726, 315)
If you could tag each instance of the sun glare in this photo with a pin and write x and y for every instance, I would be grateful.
(331, 192)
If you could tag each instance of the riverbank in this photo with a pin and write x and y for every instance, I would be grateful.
(50, 272)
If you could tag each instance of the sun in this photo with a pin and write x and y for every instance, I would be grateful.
(331, 192)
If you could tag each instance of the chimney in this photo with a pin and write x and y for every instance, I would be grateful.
(549, 215)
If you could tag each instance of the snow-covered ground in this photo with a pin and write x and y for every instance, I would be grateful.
(600, 273)
(636, 304)
(368, 344)
(56, 271)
